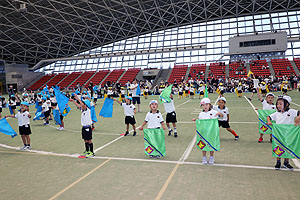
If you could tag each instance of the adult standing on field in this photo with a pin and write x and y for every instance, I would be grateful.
(135, 97)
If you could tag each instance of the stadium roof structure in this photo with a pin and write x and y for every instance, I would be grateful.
(33, 30)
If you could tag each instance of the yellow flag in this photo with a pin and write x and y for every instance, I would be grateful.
(249, 73)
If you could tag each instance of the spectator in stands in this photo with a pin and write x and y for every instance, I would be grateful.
(78, 87)
(288, 68)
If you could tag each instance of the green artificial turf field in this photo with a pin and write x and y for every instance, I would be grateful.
(243, 169)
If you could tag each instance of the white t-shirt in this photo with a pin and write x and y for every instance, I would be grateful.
(154, 120)
(267, 106)
(202, 88)
(287, 117)
(212, 114)
(86, 119)
(192, 89)
(12, 103)
(169, 107)
(133, 91)
(224, 111)
(53, 100)
(23, 118)
(128, 109)
(263, 87)
(255, 83)
(45, 106)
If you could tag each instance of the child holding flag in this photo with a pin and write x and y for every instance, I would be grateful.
(23, 117)
(154, 135)
(208, 113)
(224, 121)
(284, 115)
(86, 123)
(45, 110)
(171, 116)
(268, 107)
(129, 112)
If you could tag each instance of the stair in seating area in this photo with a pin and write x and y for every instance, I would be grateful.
(69, 79)
(113, 76)
(98, 77)
(130, 74)
(195, 69)
(82, 79)
(59, 77)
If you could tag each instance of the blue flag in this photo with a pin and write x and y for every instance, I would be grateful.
(66, 111)
(36, 104)
(62, 100)
(107, 108)
(95, 88)
(39, 109)
(10, 110)
(37, 115)
(6, 128)
(138, 90)
(45, 90)
(56, 116)
(93, 114)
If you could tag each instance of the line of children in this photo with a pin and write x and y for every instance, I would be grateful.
(129, 112)
(224, 121)
(23, 117)
(208, 113)
(284, 115)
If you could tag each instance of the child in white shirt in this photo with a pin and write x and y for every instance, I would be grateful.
(284, 115)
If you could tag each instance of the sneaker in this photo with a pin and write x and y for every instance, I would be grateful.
(61, 128)
(23, 148)
(287, 166)
(151, 156)
(170, 132)
(204, 160)
(277, 166)
(260, 140)
(134, 133)
(126, 133)
(84, 153)
(28, 147)
(211, 161)
(175, 134)
(236, 138)
(158, 157)
(45, 124)
(249, 99)
(89, 154)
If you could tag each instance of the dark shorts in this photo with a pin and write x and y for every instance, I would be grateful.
(86, 133)
(47, 113)
(254, 90)
(201, 93)
(264, 91)
(0, 110)
(186, 91)
(222, 91)
(122, 96)
(53, 104)
(18, 103)
(284, 90)
(130, 120)
(23, 130)
(224, 124)
(61, 118)
(180, 93)
(240, 91)
(13, 107)
(191, 93)
(145, 93)
(171, 117)
(136, 100)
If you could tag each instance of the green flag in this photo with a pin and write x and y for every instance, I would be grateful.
(208, 138)
(164, 96)
(205, 92)
(154, 142)
(263, 127)
(286, 141)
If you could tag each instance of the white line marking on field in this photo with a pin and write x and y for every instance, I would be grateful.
(140, 160)
(251, 105)
(296, 162)
(229, 122)
(188, 150)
